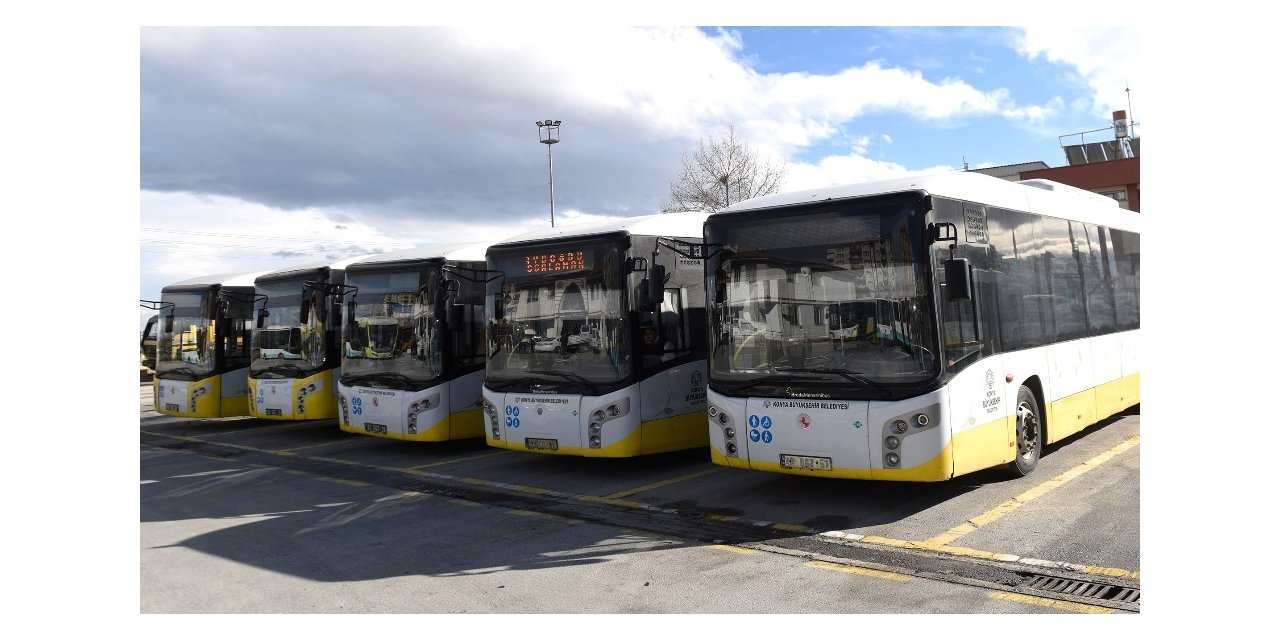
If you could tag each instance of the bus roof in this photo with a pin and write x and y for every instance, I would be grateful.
(1035, 196)
(224, 280)
(462, 252)
(683, 224)
(308, 267)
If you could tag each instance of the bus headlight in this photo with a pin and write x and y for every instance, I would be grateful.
(614, 410)
(595, 428)
(922, 420)
(731, 449)
(595, 442)
(598, 415)
(891, 442)
(900, 426)
(891, 459)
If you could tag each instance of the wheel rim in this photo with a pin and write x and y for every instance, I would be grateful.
(1028, 431)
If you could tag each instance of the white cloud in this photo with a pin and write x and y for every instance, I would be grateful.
(846, 169)
(1105, 59)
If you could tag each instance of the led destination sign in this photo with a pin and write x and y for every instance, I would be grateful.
(554, 262)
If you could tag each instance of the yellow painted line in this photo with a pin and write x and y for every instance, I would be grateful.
(464, 503)
(1109, 571)
(971, 553)
(548, 516)
(312, 446)
(617, 503)
(1003, 509)
(891, 542)
(1073, 607)
(442, 462)
(790, 527)
(521, 488)
(351, 483)
(732, 549)
(721, 518)
(862, 571)
(664, 483)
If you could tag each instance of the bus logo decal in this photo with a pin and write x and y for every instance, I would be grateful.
(803, 421)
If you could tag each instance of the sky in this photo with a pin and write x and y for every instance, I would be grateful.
(265, 148)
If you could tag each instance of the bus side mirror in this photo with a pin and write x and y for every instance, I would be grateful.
(168, 324)
(657, 278)
(304, 311)
(958, 279)
(446, 292)
(262, 317)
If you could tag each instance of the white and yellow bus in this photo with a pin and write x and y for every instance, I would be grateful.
(296, 337)
(203, 346)
(918, 329)
(413, 344)
(569, 370)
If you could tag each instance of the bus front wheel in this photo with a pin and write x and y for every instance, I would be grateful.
(1029, 431)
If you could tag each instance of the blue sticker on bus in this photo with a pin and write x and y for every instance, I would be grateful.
(767, 436)
(755, 436)
(753, 421)
(513, 422)
(766, 422)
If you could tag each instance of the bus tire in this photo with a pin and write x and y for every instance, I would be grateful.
(1029, 434)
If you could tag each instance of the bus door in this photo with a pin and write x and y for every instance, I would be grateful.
(817, 434)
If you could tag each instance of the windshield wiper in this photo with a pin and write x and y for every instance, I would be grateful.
(282, 370)
(499, 385)
(852, 376)
(762, 381)
(591, 386)
(181, 371)
(389, 380)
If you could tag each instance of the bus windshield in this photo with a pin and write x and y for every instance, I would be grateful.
(839, 297)
(393, 338)
(562, 326)
(283, 347)
(186, 347)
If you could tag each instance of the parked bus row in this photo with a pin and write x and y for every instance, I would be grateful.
(913, 329)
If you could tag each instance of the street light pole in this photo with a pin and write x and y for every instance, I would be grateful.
(549, 134)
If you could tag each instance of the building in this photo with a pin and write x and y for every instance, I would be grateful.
(1110, 166)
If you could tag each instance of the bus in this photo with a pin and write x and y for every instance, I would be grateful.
(203, 347)
(413, 344)
(296, 353)
(147, 344)
(918, 329)
(597, 338)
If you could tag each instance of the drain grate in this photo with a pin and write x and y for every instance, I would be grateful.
(1108, 592)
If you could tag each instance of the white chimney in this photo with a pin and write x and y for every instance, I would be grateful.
(1120, 121)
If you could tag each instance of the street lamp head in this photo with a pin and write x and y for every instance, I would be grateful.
(548, 131)
(549, 134)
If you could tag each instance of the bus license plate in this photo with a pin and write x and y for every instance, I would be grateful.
(170, 406)
(542, 443)
(274, 412)
(805, 462)
(373, 427)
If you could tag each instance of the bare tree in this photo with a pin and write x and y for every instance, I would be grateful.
(723, 170)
